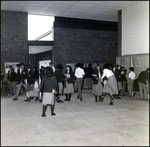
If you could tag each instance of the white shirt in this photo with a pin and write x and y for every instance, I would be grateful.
(107, 73)
(132, 75)
(79, 72)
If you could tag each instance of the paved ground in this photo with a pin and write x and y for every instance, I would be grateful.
(76, 123)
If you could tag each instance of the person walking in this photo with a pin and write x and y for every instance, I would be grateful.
(36, 74)
(21, 80)
(111, 86)
(68, 89)
(97, 85)
(79, 74)
(143, 80)
(48, 88)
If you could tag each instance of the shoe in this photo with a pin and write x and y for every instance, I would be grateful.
(43, 115)
(59, 101)
(111, 103)
(36, 99)
(65, 99)
(134, 94)
(102, 99)
(31, 98)
(77, 97)
(81, 99)
(53, 114)
(15, 99)
(40, 100)
(27, 99)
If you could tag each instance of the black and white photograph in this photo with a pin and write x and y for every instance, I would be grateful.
(74, 73)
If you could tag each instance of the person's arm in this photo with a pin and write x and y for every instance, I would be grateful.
(104, 74)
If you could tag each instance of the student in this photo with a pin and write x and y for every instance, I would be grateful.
(12, 80)
(97, 85)
(48, 86)
(21, 80)
(79, 74)
(131, 80)
(36, 74)
(60, 81)
(89, 72)
(30, 77)
(68, 90)
(124, 81)
(143, 82)
(111, 85)
(51, 65)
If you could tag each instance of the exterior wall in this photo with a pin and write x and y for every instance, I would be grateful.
(14, 37)
(135, 29)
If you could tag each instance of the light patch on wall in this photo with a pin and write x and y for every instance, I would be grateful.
(38, 25)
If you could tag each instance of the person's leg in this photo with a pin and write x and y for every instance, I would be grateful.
(17, 91)
(145, 91)
(96, 98)
(141, 90)
(79, 89)
(44, 110)
(122, 93)
(130, 88)
(111, 99)
(26, 87)
(66, 95)
(69, 96)
(14, 87)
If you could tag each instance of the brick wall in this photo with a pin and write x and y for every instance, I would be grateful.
(83, 45)
(119, 32)
(14, 37)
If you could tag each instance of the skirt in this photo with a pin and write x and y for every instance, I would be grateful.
(48, 98)
(60, 88)
(97, 88)
(69, 88)
(111, 86)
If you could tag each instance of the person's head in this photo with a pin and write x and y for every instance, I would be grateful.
(118, 67)
(10, 67)
(50, 64)
(98, 67)
(68, 68)
(107, 66)
(90, 65)
(95, 63)
(28, 66)
(48, 71)
(131, 69)
(35, 67)
(59, 66)
(147, 70)
(22, 65)
(18, 65)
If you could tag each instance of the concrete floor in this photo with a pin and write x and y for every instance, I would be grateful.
(76, 123)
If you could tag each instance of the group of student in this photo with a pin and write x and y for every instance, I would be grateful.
(54, 82)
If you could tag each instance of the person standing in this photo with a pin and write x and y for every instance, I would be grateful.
(12, 80)
(68, 90)
(30, 77)
(143, 81)
(21, 80)
(124, 81)
(89, 72)
(51, 65)
(48, 86)
(36, 74)
(97, 85)
(131, 80)
(79, 74)
(111, 86)
(60, 80)
(118, 78)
